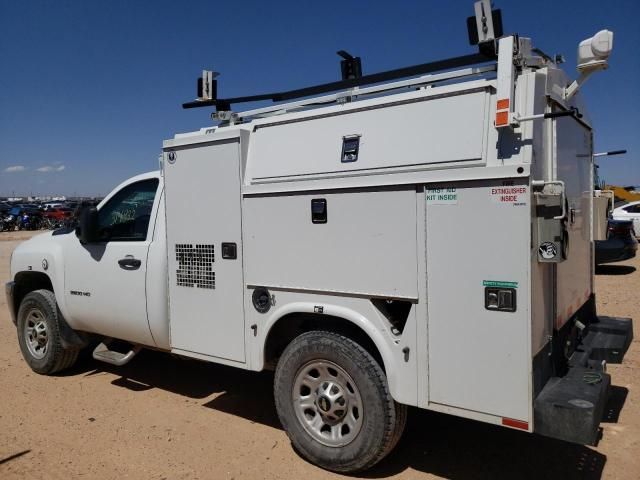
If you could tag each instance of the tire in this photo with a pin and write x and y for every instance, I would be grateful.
(39, 334)
(334, 403)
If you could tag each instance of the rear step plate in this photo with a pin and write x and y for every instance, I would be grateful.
(570, 408)
(609, 338)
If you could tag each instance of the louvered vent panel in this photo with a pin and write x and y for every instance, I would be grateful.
(195, 266)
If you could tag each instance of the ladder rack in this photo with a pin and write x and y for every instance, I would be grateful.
(347, 95)
(447, 64)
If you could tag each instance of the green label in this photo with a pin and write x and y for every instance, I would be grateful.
(496, 283)
(442, 196)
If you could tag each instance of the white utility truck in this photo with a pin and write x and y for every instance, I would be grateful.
(418, 237)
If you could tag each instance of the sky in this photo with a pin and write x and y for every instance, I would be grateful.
(89, 89)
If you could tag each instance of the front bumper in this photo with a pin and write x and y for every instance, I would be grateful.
(10, 288)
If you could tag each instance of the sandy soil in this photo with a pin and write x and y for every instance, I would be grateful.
(161, 417)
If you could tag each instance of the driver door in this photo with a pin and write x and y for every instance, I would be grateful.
(105, 281)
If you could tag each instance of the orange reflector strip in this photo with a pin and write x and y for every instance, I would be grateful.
(503, 104)
(510, 422)
(502, 118)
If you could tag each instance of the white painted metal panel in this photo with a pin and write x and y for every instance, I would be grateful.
(367, 246)
(202, 189)
(531, 102)
(479, 359)
(156, 283)
(574, 167)
(427, 131)
(401, 369)
(107, 298)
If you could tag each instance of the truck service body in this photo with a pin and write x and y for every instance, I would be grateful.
(439, 226)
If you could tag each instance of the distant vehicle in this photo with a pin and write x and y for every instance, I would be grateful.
(30, 219)
(59, 213)
(49, 206)
(627, 194)
(630, 211)
(621, 243)
(11, 218)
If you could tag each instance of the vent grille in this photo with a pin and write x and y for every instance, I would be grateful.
(195, 266)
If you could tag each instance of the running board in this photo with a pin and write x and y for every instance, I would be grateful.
(103, 354)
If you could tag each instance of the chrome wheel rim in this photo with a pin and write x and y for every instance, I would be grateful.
(327, 403)
(36, 333)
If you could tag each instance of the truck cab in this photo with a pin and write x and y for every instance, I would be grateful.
(101, 287)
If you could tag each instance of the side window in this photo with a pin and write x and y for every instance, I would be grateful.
(633, 209)
(125, 217)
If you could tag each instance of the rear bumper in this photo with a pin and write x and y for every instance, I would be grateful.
(10, 288)
(570, 407)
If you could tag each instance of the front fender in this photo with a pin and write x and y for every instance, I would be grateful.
(44, 253)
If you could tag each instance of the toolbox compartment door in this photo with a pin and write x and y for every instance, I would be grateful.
(432, 132)
(573, 165)
(478, 239)
(203, 207)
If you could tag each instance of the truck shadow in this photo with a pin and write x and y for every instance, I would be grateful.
(433, 443)
(13, 457)
(614, 269)
(239, 392)
(456, 448)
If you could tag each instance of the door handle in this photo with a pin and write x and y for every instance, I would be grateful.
(129, 263)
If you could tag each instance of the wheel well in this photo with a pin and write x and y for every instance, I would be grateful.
(27, 282)
(294, 324)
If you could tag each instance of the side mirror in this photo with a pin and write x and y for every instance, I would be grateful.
(88, 230)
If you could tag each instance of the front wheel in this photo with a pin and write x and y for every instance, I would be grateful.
(334, 403)
(39, 334)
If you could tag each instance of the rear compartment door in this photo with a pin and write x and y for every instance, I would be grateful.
(573, 165)
(478, 239)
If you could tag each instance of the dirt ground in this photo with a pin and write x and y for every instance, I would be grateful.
(161, 417)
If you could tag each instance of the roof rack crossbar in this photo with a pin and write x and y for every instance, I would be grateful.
(424, 68)
(414, 82)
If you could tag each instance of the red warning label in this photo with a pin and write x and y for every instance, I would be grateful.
(509, 194)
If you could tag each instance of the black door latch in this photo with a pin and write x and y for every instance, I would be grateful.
(229, 251)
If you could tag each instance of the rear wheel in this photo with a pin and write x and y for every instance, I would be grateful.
(334, 403)
(39, 334)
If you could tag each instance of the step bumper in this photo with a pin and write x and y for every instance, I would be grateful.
(570, 408)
